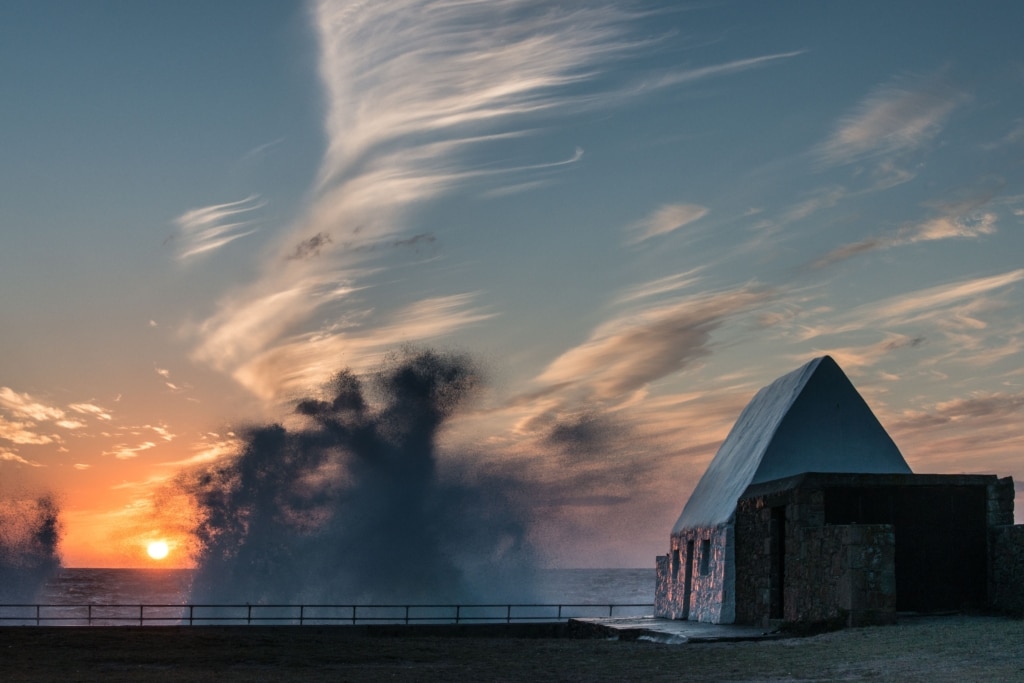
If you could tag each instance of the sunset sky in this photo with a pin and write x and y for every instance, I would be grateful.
(633, 215)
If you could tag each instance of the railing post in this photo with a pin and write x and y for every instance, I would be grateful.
(457, 610)
(559, 612)
(88, 615)
(140, 614)
(610, 608)
(508, 614)
(353, 615)
(248, 615)
(302, 614)
(37, 615)
(190, 608)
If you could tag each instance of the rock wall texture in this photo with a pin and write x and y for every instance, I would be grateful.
(792, 568)
(696, 580)
(1006, 569)
(843, 575)
(1000, 494)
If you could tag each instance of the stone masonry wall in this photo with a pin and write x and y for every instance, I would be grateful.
(755, 546)
(844, 574)
(835, 572)
(753, 562)
(663, 587)
(1000, 496)
(1006, 569)
(712, 577)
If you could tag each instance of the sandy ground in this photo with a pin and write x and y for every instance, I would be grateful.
(936, 649)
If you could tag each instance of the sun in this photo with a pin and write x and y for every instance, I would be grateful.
(157, 550)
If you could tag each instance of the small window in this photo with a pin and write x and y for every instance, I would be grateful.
(705, 556)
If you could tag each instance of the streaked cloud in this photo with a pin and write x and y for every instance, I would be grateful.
(162, 431)
(166, 375)
(410, 88)
(948, 306)
(206, 451)
(724, 69)
(628, 353)
(951, 225)
(899, 116)
(96, 411)
(985, 425)
(23, 405)
(822, 199)
(665, 219)
(853, 359)
(22, 433)
(307, 360)
(211, 227)
(260, 150)
(663, 285)
(125, 452)
(10, 456)
(450, 69)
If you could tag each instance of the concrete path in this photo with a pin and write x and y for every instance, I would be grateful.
(669, 631)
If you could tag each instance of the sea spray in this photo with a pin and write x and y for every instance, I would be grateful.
(30, 531)
(355, 505)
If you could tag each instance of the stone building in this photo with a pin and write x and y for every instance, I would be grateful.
(809, 513)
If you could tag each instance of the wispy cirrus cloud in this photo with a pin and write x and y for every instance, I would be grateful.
(413, 90)
(689, 75)
(96, 411)
(958, 222)
(627, 353)
(22, 433)
(305, 360)
(10, 456)
(662, 285)
(948, 306)
(209, 228)
(30, 421)
(985, 425)
(125, 452)
(454, 69)
(23, 405)
(899, 116)
(410, 88)
(854, 359)
(665, 219)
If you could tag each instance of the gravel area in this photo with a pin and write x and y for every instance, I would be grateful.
(935, 649)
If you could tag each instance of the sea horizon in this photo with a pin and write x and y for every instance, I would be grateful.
(172, 585)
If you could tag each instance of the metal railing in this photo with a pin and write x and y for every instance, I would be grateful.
(307, 615)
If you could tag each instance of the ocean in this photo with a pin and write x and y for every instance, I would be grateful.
(92, 589)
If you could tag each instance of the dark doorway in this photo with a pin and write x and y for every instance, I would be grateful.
(777, 571)
(687, 579)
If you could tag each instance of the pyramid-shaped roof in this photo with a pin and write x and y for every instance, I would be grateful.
(810, 420)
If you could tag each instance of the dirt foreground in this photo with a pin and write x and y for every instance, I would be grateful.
(934, 649)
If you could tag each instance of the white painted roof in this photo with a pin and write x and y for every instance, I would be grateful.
(810, 420)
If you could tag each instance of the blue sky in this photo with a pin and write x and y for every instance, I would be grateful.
(633, 214)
